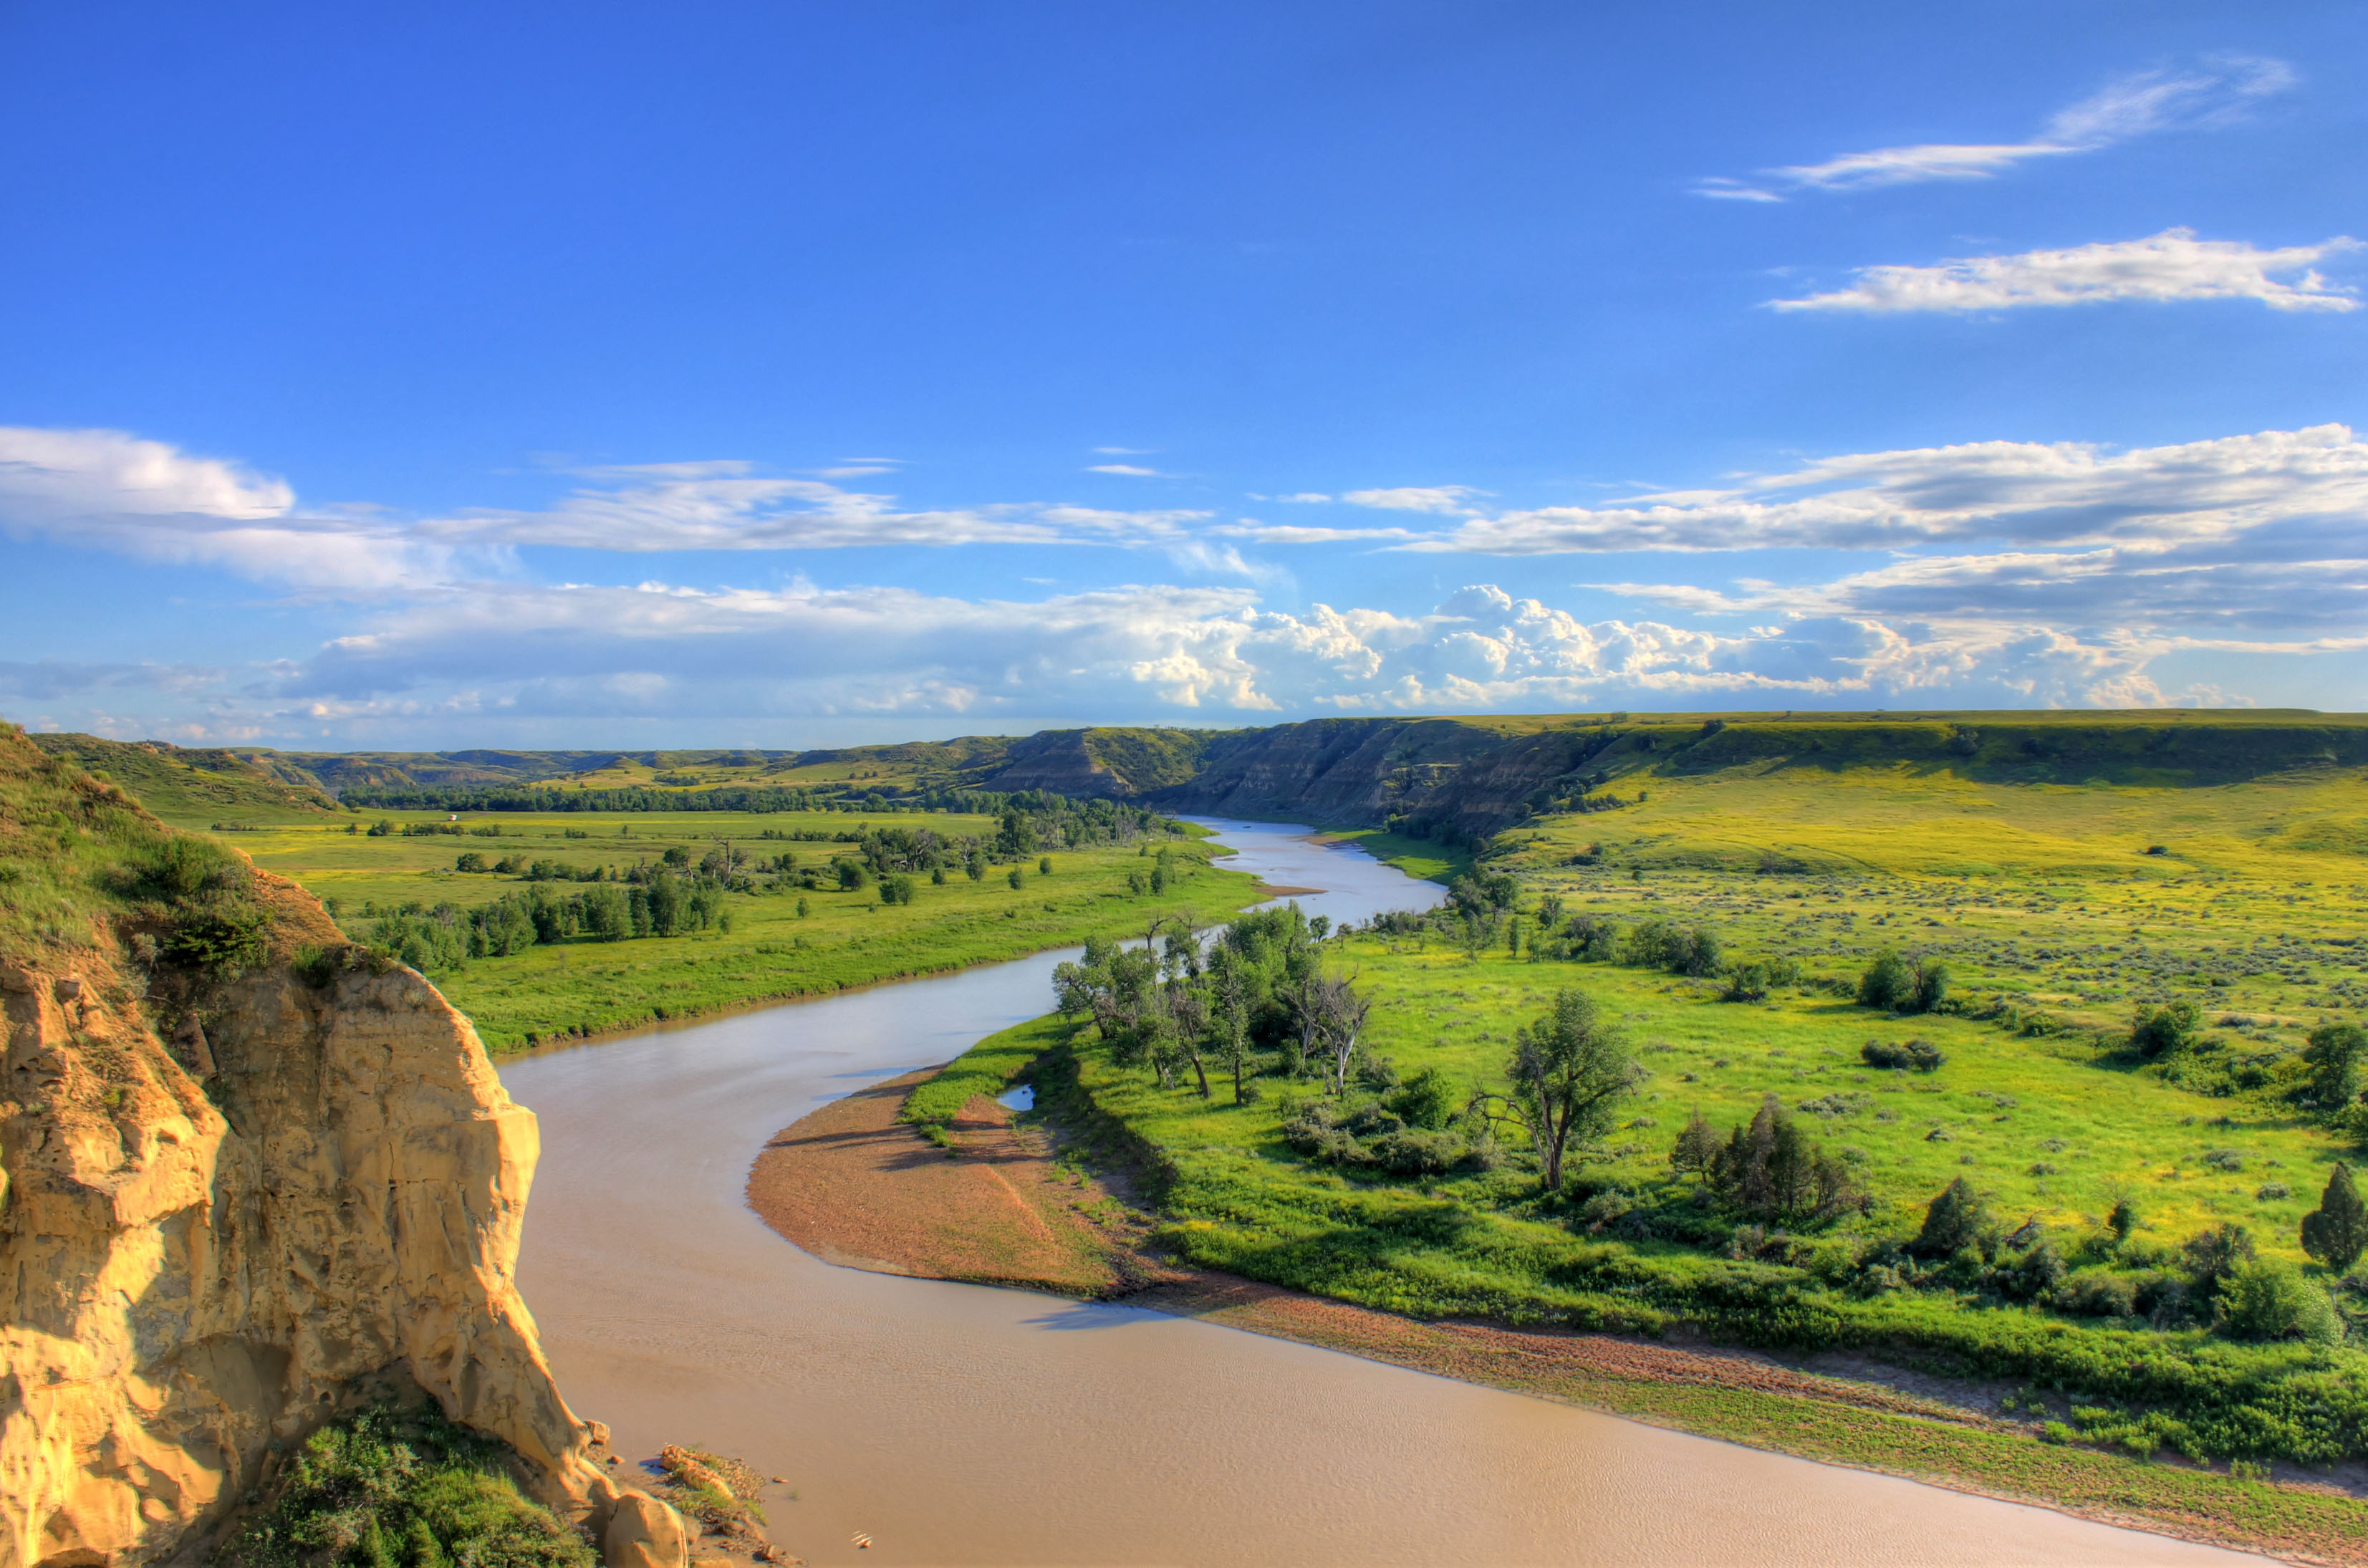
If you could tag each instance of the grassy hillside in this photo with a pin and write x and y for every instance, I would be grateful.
(195, 788)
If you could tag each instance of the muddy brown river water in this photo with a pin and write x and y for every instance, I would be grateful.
(955, 1424)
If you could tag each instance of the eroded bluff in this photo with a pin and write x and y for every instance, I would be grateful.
(310, 1199)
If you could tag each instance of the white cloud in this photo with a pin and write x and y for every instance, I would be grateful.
(1417, 498)
(1128, 469)
(153, 502)
(2013, 492)
(712, 506)
(72, 475)
(2173, 265)
(2216, 92)
(1293, 533)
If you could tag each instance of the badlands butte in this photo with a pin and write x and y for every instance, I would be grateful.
(259, 1179)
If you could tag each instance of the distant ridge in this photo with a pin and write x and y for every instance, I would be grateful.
(1467, 776)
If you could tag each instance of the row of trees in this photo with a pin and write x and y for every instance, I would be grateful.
(664, 903)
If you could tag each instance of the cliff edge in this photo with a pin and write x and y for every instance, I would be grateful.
(250, 1177)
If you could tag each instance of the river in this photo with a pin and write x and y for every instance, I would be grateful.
(956, 1424)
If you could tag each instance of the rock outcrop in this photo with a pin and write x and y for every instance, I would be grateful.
(313, 1197)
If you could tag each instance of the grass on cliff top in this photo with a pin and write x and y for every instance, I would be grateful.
(846, 939)
(70, 847)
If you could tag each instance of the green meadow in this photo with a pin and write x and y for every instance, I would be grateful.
(2060, 912)
(763, 948)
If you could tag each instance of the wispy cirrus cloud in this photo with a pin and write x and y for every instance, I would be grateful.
(2173, 265)
(2215, 91)
(1449, 498)
(2056, 494)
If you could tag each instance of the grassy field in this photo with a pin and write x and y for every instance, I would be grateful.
(845, 938)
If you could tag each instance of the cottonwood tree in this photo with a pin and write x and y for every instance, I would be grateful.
(1233, 991)
(1570, 1070)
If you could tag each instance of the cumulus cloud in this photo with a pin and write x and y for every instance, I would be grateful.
(2214, 92)
(2173, 265)
(1210, 654)
(2014, 492)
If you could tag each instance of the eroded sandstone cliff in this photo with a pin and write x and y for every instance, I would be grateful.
(309, 1198)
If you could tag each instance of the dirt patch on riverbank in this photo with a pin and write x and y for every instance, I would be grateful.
(853, 1185)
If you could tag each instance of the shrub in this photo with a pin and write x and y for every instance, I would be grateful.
(1018, 881)
(2036, 1275)
(222, 937)
(2164, 1030)
(2212, 1257)
(388, 1485)
(1920, 1054)
(1426, 1100)
(2267, 1299)
(1888, 983)
(2098, 1292)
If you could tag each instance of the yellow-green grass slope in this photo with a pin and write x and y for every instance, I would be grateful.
(771, 952)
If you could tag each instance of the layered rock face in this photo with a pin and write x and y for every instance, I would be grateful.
(310, 1199)
(1365, 770)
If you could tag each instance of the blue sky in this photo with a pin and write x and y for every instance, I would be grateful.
(790, 375)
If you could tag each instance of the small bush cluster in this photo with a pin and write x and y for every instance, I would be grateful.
(1919, 1055)
(1372, 1134)
(391, 1486)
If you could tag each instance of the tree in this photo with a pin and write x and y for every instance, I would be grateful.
(2122, 1220)
(1951, 1223)
(1697, 1146)
(1340, 1020)
(2336, 1232)
(1232, 988)
(1888, 982)
(1045, 867)
(1930, 985)
(1016, 880)
(1766, 1166)
(1570, 1070)
(2333, 1053)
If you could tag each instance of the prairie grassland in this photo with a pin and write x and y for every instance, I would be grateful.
(845, 939)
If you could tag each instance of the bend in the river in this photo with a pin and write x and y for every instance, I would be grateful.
(961, 1424)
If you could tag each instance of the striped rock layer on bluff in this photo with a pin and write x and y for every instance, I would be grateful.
(311, 1200)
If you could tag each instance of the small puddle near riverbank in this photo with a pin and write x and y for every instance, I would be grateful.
(955, 1424)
